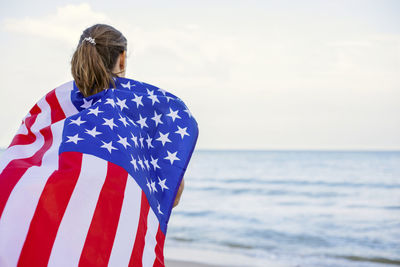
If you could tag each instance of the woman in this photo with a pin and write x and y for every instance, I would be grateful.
(93, 173)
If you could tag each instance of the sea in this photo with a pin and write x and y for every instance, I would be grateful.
(289, 208)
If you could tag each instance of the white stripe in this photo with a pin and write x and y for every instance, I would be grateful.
(127, 225)
(21, 205)
(76, 221)
(25, 151)
(63, 94)
(22, 129)
(149, 255)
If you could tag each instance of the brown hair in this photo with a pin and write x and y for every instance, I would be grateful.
(93, 60)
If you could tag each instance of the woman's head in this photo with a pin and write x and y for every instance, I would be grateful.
(100, 55)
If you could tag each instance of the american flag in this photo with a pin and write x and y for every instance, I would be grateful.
(92, 181)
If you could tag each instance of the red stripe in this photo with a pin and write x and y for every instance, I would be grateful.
(11, 174)
(16, 168)
(50, 210)
(57, 112)
(160, 237)
(137, 252)
(29, 138)
(101, 234)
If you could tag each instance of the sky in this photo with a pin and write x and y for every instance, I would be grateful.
(288, 75)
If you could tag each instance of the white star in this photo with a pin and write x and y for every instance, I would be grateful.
(86, 104)
(172, 157)
(134, 139)
(110, 101)
(162, 184)
(152, 97)
(142, 122)
(157, 118)
(169, 98)
(95, 111)
(126, 85)
(138, 100)
(121, 104)
(123, 120)
(74, 139)
(110, 123)
(148, 140)
(131, 121)
(153, 186)
(141, 163)
(123, 141)
(154, 163)
(182, 132)
(141, 141)
(163, 138)
(133, 161)
(92, 132)
(146, 162)
(108, 146)
(173, 114)
(159, 208)
(162, 91)
(188, 112)
(148, 185)
(77, 121)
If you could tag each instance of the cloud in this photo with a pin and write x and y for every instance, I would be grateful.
(64, 25)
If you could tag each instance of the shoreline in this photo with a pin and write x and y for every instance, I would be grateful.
(184, 263)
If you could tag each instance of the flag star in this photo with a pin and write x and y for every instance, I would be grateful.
(189, 113)
(108, 146)
(173, 114)
(152, 97)
(148, 140)
(182, 132)
(86, 103)
(172, 157)
(163, 138)
(133, 161)
(95, 111)
(123, 141)
(159, 208)
(134, 139)
(153, 186)
(162, 91)
(169, 98)
(131, 121)
(146, 162)
(161, 183)
(92, 132)
(110, 101)
(138, 100)
(78, 121)
(110, 123)
(157, 118)
(141, 163)
(154, 163)
(121, 104)
(74, 139)
(141, 141)
(126, 85)
(123, 120)
(148, 185)
(142, 122)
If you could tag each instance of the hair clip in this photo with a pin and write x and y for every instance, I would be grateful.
(90, 40)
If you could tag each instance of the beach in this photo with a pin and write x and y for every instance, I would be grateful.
(176, 263)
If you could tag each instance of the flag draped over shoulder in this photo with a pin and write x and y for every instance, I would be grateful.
(91, 181)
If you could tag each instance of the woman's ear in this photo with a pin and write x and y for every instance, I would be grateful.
(122, 61)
